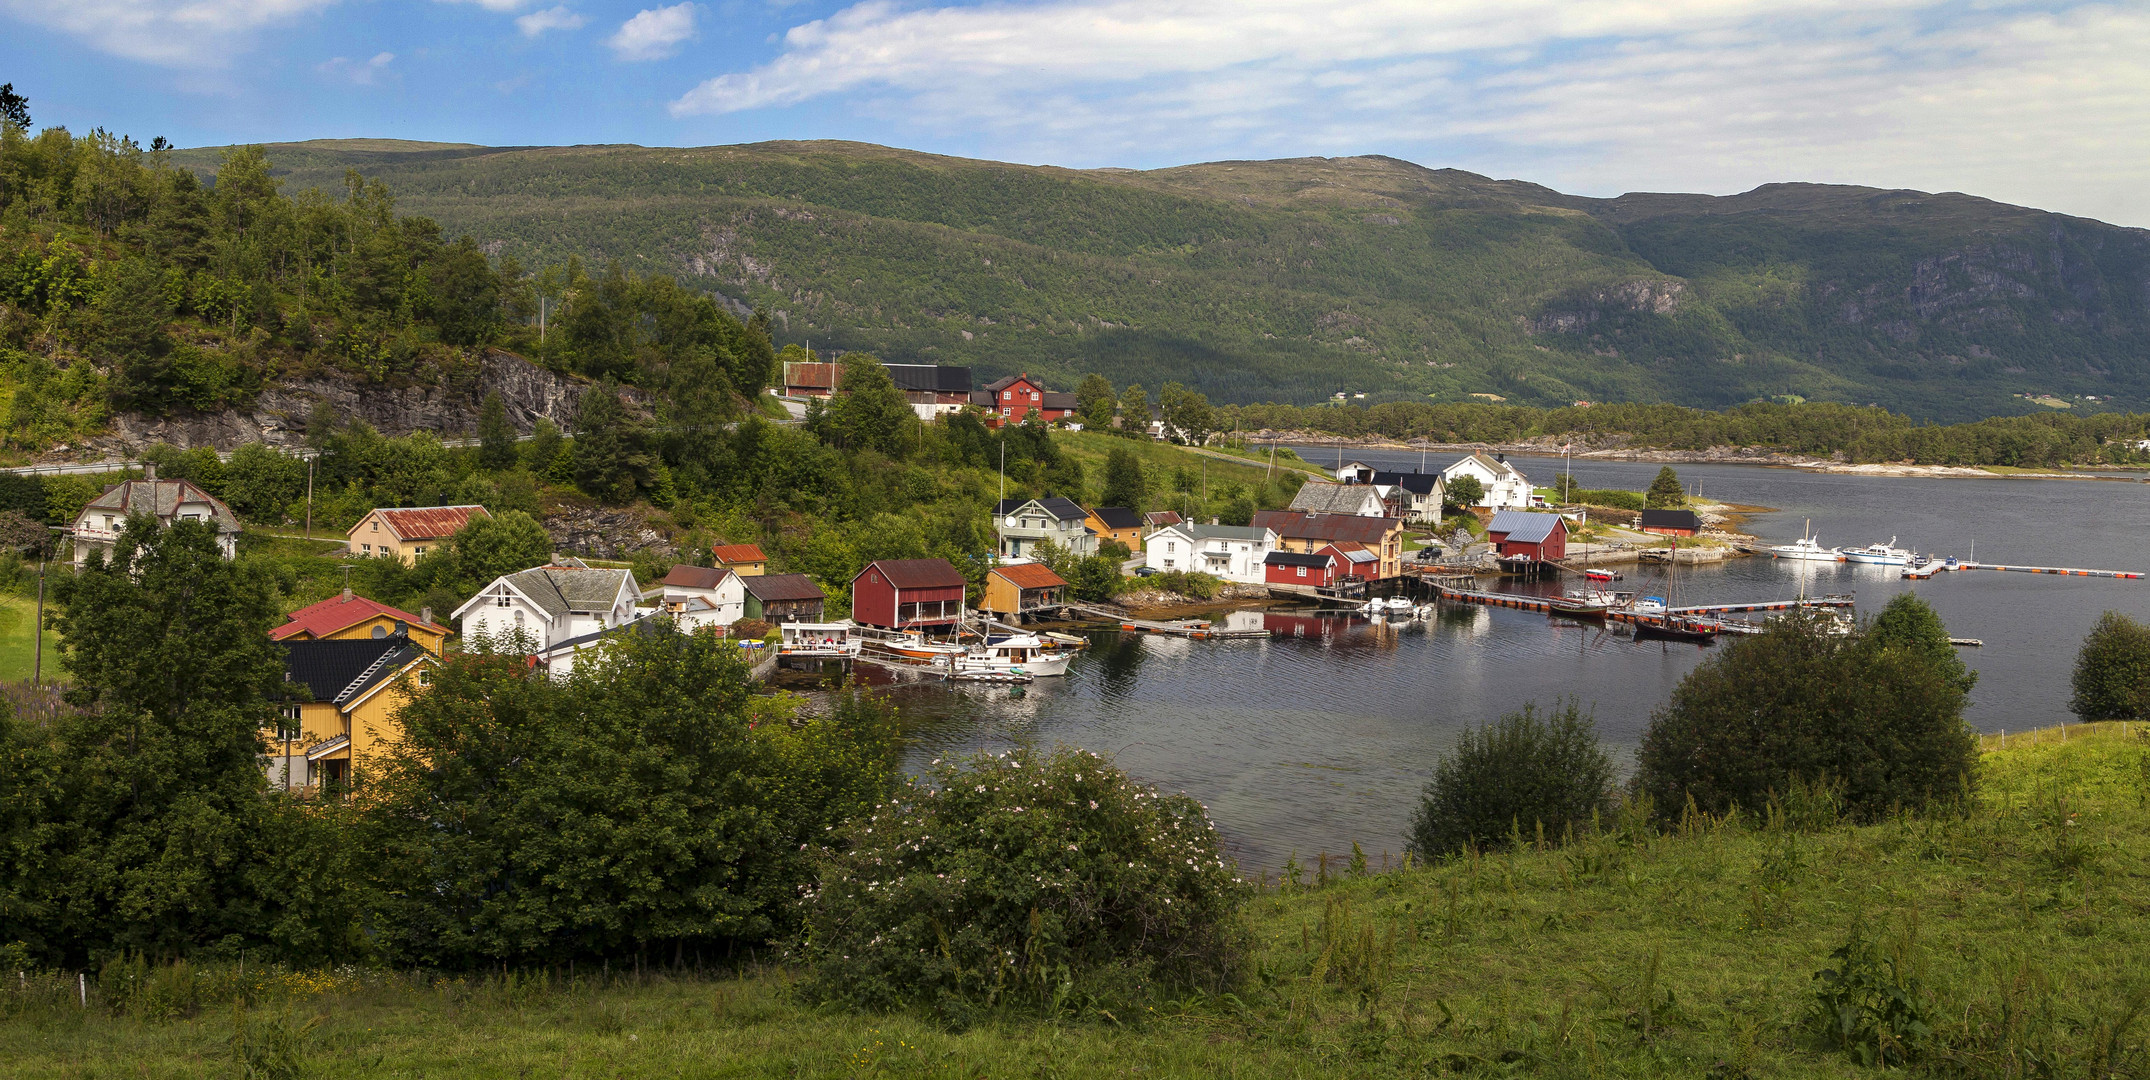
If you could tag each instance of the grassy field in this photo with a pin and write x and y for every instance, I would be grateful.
(18, 649)
(1163, 460)
(2013, 931)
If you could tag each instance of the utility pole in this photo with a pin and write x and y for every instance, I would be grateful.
(310, 496)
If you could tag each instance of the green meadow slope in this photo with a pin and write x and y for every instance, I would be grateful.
(1289, 280)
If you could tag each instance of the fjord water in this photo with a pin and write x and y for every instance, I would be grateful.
(1324, 733)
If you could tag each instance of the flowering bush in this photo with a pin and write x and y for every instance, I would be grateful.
(1050, 881)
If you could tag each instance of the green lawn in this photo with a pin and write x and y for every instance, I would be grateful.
(17, 647)
(1091, 448)
(1629, 954)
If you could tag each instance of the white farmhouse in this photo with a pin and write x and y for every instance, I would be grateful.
(698, 596)
(552, 604)
(1232, 552)
(99, 524)
(1505, 487)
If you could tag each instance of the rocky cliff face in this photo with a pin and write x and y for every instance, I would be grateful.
(604, 533)
(278, 415)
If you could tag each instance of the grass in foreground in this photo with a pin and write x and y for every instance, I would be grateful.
(1629, 954)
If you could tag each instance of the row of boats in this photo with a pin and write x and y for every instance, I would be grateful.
(1810, 549)
(1011, 657)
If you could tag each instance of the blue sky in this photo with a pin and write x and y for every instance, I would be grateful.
(2039, 103)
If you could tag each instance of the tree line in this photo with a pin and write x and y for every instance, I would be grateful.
(1857, 434)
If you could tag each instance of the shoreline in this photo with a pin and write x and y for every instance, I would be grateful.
(1716, 455)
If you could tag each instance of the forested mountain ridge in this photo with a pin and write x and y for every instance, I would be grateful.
(1289, 280)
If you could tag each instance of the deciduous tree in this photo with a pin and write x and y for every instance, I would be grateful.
(2112, 672)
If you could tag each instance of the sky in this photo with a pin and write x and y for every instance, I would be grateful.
(2045, 104)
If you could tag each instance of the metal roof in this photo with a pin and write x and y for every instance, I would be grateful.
(336, 671)
(918, 573)
(1030, 576)
(738, 553)
(561, 589)
(1524, 527)
(1219, 532)
(1294, 558)
(1417, 483)
(338, 612)
(931, 378)
(769, 588)
(426, 522)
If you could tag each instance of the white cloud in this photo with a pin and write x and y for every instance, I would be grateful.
(360, 72)
(554, 18)
(655, 33)
(2040, 104)
(178, 33)
(490, 5)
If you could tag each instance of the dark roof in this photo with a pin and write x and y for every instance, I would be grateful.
(769, 588)
(918, 573)
(1061, 509)
(1524, 527)
(159, 499)
(997, 385)
(1052, 399)
(688, 576)
(1417, 483)
(1289, 523)
(1293, 558)
(1117, 517)
(931, 378)
(1671, 519)
(338, 670)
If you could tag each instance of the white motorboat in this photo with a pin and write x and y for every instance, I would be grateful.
(1397, 604)
(1879, 554)
(1027, 653)
(1647, 605)
(1807, 548)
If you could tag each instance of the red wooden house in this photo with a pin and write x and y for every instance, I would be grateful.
(1317, 569)
(1354, 559)
(1016, 398)
(1670, 522)
(903, 594)
(1524, 536)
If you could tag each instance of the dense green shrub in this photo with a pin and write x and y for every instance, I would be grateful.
(1510, 777)
(1618, 500)
(1023, 879)
(2112, 672)
(1192, 583)
(1881, 720)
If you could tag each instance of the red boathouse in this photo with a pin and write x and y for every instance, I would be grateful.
(904, 594)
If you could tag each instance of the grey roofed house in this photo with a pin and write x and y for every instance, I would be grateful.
(100, 522)
(1522, 526)
(1061, 509)
(561, 589)
(773, 587)
(1358, 500)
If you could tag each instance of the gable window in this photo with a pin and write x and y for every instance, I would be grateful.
(502, 601)
(376, 525)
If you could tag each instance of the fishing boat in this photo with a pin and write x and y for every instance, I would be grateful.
(1879, 554)
(1807, 548)
(1028, 653)
(1582, 605)
(1670, 627)
(916, 647)
(1601, 575)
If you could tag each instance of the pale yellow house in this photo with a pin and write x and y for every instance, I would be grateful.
(408, 532)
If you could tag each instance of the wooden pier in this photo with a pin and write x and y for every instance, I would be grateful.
(1192, 628)
(1542, 605)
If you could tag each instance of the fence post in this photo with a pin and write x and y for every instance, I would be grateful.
(82, 987)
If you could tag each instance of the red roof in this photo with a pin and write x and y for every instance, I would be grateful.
(687, 576)
(340, 612)
(1329, 527)
(738, 553)
(918, 573)
(429, 522)
(1030, 576)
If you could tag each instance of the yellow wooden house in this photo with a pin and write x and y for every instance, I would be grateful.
(339, 709)
(351, 617)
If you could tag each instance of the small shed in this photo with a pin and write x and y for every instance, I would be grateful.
(1319, 570)
(902, 594)
(783, 598)
(1523, 536)
(1023, 588)
(1671, 522)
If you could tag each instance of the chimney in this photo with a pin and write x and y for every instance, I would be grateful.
(347, 594)
(149, 470)
(425, 615)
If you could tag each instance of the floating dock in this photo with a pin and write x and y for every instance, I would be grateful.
(1543, 605)
(2062, 570)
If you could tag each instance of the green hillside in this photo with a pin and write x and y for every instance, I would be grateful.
(1290, 280)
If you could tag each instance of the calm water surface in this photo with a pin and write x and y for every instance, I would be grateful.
(1324, 733)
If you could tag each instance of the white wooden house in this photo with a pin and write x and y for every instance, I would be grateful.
(99, 524)
(1506, 488)
(1232, 552)
(696, 596)
(552, 604)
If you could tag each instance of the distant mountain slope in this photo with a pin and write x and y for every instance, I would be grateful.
(1289, 280)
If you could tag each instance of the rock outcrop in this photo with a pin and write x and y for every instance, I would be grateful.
(278, 415)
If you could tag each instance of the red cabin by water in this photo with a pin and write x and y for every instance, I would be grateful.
(1516, 534)
(904, 594)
